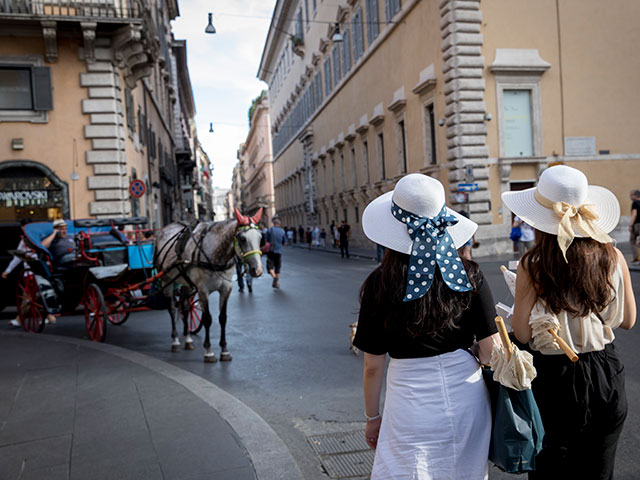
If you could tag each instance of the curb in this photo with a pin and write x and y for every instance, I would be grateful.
(367, 256)
(269, 455)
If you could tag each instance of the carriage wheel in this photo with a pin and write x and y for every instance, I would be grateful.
(95, 313)
(30, 304)
(195, 314)
(115, 307)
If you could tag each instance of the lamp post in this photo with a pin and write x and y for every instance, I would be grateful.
(210, 28)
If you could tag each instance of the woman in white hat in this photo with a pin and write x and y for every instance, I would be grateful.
(574, 276)
(423, 307)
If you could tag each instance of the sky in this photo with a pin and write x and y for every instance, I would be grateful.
(223, 69)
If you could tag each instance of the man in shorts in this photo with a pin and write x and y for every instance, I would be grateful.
(277, 238)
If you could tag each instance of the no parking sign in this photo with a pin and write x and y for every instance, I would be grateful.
(137, 188)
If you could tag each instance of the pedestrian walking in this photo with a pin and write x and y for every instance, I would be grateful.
(379, 252)
(309, 237)
(316, 236)
(344, 232)
(332, 231)
(527, 235)
(241, 274)
(294, 234)
(277, 239)
(634, 226)
(323, 238)
(301, 237)
(574, 278)
(423, 307)
(290, 233)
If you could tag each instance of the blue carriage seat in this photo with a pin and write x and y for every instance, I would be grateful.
(35, 233)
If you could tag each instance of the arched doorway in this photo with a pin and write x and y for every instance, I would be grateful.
(31, 190)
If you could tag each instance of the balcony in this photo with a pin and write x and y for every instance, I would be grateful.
(107, 11)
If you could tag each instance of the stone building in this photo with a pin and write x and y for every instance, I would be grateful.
(89, 103)
(256, 162)
(482, 93)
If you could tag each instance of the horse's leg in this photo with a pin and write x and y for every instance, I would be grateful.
(175, 344)
(185, 309)
(209, 356)
(224, 299)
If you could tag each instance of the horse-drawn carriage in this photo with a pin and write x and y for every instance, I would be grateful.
(110, 274)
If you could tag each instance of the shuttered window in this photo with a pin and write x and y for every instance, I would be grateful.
(25, 88)
(373, 27)
(328, 85)
(131, 118)
(392, 7)
(336, 65)
(358, 40)
(346, 51)
(318, 87)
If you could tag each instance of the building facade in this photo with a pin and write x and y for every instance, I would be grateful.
(481, 93)
(88, 95)
(255, 160)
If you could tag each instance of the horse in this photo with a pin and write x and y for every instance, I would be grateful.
(201, 259)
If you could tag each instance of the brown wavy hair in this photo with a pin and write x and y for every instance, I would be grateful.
(437, 310)
(579, 287)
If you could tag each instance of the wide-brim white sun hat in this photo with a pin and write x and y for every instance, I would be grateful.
(416, 193)
(561, 183)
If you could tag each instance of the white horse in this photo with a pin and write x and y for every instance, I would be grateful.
(201, 259)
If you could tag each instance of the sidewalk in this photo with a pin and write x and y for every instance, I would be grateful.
(72, 409)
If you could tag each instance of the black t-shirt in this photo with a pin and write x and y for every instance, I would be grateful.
(477, 322)
(636, 206)
(343, 230)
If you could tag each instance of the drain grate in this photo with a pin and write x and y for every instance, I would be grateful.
(344, 454)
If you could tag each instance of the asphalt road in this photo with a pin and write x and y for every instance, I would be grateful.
(291, 361)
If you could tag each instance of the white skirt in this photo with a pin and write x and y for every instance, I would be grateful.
(437, 420)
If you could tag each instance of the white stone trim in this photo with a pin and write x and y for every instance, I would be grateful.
(426, 81)
(514, 60)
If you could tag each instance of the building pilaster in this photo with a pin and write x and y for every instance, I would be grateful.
(467, 151)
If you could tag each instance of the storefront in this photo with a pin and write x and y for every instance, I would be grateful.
(31, 190)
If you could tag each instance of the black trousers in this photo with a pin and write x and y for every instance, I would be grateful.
(583, 406)
(344, 248)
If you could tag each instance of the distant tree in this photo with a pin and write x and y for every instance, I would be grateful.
(254, 103)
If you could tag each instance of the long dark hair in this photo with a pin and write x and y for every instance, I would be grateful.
(582, 285)
(437, 310)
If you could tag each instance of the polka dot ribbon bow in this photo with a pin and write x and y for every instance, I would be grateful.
(432, 248)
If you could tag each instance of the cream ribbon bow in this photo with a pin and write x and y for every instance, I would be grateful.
(585, 215)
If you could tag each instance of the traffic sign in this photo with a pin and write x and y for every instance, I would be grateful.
(467, 187)
(461, 197)
(137, 188)
(468, 176)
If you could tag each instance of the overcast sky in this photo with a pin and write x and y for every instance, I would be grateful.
(223, 70)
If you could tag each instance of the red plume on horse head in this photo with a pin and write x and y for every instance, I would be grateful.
(256, 218)
(242, 220)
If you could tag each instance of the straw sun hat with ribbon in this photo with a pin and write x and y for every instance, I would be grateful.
(564, 204)
(413, 219)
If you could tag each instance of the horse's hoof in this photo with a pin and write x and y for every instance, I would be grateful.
(189, 346)
(210, 359)
(175, 348)
(225, 357)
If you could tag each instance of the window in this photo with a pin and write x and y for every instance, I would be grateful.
(516, 115)
(357, 214)
(373, 27)
(131, 116)
(318, 87)
(344, 215)
(327, 77)
(25, 91)
(343, 173)
(142, 126)
(358, 39)
(333, 177)
(306, 13)
(298, 27)
(365, 151)
(402, 147)
(392, 7)
(346, 51)
(335, 215)
(383, 173)
(354, 176)
(430, 135)
(336, 65)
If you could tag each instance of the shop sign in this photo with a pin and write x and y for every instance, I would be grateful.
(24, 196)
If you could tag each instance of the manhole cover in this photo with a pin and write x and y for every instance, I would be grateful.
(344, 454)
